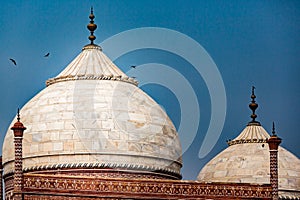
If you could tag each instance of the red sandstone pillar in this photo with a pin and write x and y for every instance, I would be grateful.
(274, 142)
(1, 186)
(18, 129)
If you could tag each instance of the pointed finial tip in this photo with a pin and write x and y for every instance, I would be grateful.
(92, 14)
(253, 95)
(18, 115)
(253, 89)
(273, 129)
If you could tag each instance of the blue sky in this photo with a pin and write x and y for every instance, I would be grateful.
(252, 43)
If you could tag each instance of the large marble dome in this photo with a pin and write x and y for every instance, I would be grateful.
(93, 116)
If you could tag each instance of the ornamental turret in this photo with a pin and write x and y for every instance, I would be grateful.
(274, 142)
(18, 130)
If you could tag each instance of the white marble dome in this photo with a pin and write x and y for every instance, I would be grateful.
(91, 115)
(246, 160)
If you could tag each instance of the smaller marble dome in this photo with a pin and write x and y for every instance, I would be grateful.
(247, 160)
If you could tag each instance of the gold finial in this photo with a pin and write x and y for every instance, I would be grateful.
(18, 115)
(253, 106)
(92, 27)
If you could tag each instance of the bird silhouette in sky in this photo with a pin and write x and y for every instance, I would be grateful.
(133, 66)
(13, 61)
(47, 55)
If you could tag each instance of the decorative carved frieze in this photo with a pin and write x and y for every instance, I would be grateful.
(116, 168)
(92, 77)
(139, 188)
(106, 173)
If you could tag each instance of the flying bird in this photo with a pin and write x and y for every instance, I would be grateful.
(47, 55)
(13, 61)
(133, 66)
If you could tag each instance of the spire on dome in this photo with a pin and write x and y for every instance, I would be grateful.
(253, 106)
(91, 64)
(92, 27)
(254, 132)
